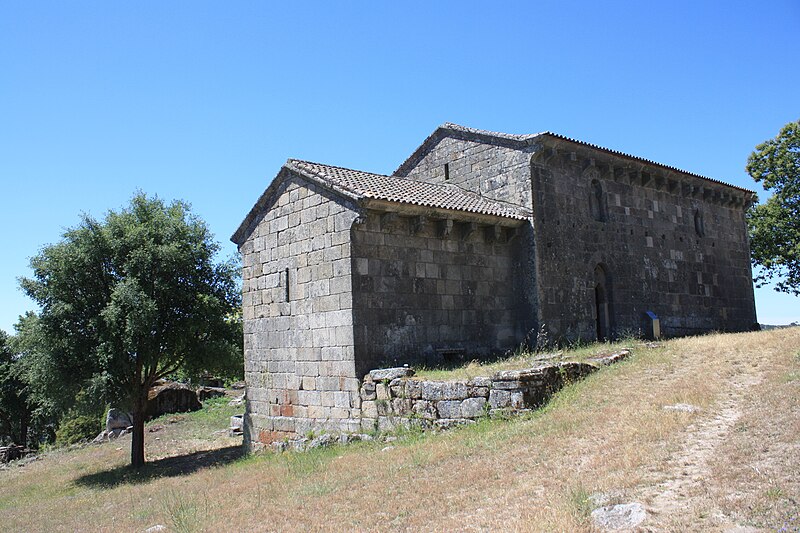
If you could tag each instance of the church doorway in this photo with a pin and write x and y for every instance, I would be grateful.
(601, 303)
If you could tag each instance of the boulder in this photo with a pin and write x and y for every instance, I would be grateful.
(171, 397)
(623, 516)
(204, 393)
(117, 419)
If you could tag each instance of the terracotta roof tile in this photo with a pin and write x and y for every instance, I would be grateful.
(394, 189)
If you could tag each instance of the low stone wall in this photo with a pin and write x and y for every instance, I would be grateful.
(391, 398)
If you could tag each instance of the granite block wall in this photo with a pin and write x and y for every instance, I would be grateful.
(668, 243)
(492, 170)
(298, 315)
(426, 291)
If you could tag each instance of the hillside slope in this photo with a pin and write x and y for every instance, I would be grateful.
(732, 461)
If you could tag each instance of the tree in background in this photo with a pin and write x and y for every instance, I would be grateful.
(775, 225)
(15, 411)
(132, 299)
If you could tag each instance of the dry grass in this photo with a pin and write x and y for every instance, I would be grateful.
(523, 359)
(608, 434)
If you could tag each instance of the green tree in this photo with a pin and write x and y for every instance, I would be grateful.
(775, 225)
(131, 299)
(15, 411)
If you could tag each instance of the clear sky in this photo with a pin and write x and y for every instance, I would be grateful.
(204, 101)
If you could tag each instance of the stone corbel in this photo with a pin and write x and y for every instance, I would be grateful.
(418, 224)
(468, 229)
(672, 186)
(494, 233)
(388, 220)
(445, 228)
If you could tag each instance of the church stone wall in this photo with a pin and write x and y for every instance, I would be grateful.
(421, 296)
(491, 170)
(297, 305)
(674, 245)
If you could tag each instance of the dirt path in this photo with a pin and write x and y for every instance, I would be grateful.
(680, 489)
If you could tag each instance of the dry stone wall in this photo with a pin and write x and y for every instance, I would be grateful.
(390, 399)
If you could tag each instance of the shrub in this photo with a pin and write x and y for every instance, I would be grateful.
(76, 428)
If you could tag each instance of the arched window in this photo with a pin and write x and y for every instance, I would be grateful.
(597, 201)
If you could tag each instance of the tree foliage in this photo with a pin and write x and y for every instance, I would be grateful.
(131, 299)
(774, 226)
(15, 412)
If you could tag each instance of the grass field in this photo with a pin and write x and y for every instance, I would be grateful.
(733, 462)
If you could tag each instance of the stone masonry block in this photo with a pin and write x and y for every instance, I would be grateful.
(499, 398)
(473, 407)
(449, 409)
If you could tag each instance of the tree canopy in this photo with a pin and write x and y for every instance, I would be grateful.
(133, 298)
(774, 226)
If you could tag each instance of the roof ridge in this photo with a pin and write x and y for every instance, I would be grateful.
(529, 137)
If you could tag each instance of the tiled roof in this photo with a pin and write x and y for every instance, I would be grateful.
(364, 185)
(529, 139)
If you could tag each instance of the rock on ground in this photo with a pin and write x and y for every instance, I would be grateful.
(622, 516)
(171, 398)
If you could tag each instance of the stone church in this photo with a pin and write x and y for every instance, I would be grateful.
(476, 244)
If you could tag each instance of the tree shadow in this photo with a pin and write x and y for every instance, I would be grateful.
(180, 465)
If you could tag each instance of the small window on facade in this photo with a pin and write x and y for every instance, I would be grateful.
(597, 201)
(286, 278)
(447, 171)
(699, 225)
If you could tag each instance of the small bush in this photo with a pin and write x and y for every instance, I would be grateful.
(77, 428)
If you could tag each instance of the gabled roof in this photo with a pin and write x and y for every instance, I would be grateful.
(520, 141)
(364, 186)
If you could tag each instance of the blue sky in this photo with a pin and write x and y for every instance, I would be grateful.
(205, 101)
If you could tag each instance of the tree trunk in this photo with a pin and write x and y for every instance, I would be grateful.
(137, 442)
(24, 422)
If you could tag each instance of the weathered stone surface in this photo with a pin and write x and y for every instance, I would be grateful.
(473, 407)
(449, 423)
(368, 391)
(383, 374)
(384, 407)
(117, 419)
(611, 358)
(524, 374)
(617, 517)
(369, 409)
(449, 408)
(425, 409)
(444, 390)
(499, 398)
(402, 406)
(480, 381)
(171, 397)
(321, 441)
(204, 393)
(413, 389)
(382, 391)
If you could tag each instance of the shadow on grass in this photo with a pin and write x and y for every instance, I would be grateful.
(180, 465)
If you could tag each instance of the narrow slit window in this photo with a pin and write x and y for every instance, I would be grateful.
(447, 171)
(286, 279)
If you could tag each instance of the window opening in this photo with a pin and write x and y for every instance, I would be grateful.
(597, 201)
